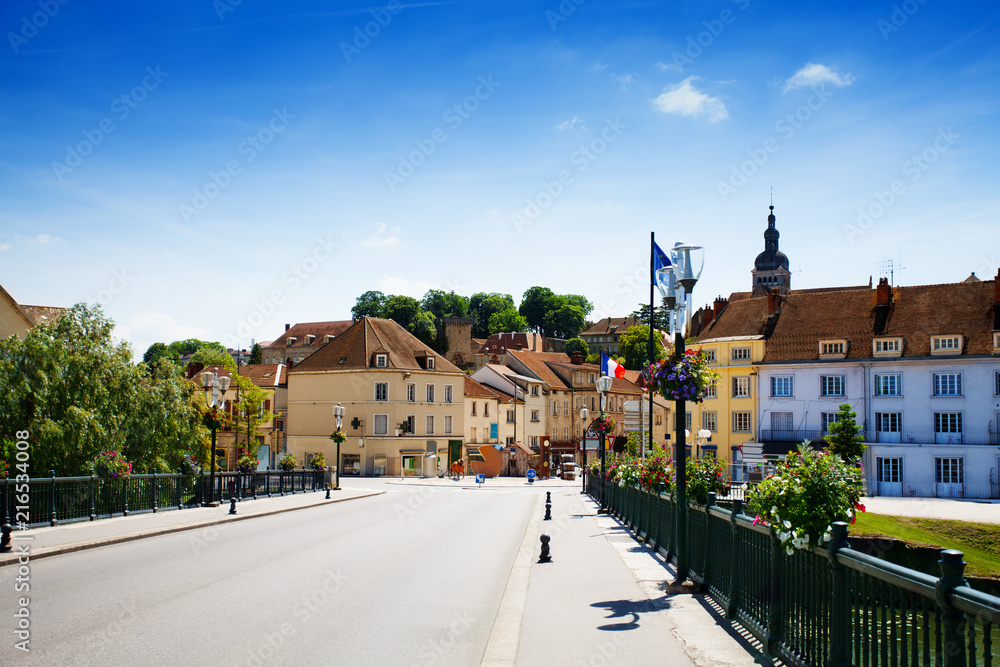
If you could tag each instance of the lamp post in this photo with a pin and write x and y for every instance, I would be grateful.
(686, 279)
(583, 448)
(603, 385)
(338, 414)
(704, 435)
(215, 392)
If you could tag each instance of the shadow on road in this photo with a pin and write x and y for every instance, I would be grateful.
(624, 609)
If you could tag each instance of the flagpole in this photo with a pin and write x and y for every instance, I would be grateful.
(652, 319)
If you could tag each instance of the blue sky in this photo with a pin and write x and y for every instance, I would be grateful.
(217, 169)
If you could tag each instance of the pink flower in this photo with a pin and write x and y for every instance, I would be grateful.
(757, 520)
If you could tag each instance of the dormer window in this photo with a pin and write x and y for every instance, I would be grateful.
(946, 345)
(290, 341)
(381, 361)
(430, 363)
(833, 349)
(309, 338)
(327, 338)
(887, 347)
(996, 342)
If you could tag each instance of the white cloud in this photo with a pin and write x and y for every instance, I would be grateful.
(625, 79)
(668, 67)
(4, 247)
(379, 240)
(598, 67)
(686, 100)
(47, 239)
(572, 123)
(814, 74)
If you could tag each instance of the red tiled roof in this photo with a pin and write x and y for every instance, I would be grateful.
(921, 311)
(741, 317)
(499, 343)
(612, 325)
(473, 388)
(265, 375)
(318, 329)
(355, 348)
(536, 363)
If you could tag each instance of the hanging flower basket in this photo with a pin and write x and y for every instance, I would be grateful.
(246, 465)
(603, 424)
(338, 436)
(111, 465)
(319, 461)
(287, 463)
(683, 379)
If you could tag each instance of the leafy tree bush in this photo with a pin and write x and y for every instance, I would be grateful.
(369, 304)
(507, 321)
(574, 345)
(845, 437)
(633, 346)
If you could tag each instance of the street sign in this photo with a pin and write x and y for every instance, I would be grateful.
(480, 478)
(531, 475)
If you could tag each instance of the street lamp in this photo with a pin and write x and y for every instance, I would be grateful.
(603, 385)
(583, 448)
(338, 414)
(686, 278)
(215, 393)
(704, 435)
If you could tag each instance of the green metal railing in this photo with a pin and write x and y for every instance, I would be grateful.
(53, 500)
(831, 606)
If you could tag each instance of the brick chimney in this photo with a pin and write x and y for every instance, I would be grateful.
(194, 369)
(773, 302)
(883, 293)
(287, 326)
(707, 315)
(719, 304)
(576, 359)
(996, 289)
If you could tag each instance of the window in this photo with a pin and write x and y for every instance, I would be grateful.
(447, 424)
(473, 408)
(430, 393)
(555, 433)
(447, 393)
(687, 420)
(947, 422)
(827, 418)
(890, 470)
(949, 470)
(741, 422)
(781, 386)
(947, 384)
(411, 392)
(887, 385)
(486, 409)
(534, 390)
(946, 344)
(380, 361)
(590, 378)
(709, 421)
(429, 423)
(887, 347)
(510, 416)
(566, 403)
(381, 424)
(710, 391)
(996, 343)
(565, 433)
(710, 354)
(887, 422)
(533, 441)
(472, 434)
(411, 424)
(741, 354)
(534, 415)
(832, 348)
(831, 385)
(741, 387)
(381, 391)
(554, 405)
(996, 383)
(430, 363)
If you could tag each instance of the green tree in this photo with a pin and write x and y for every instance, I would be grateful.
(256, 357)
(633, 346)
(661, 316)
(594, 358)
(423, 327)
(578, 300)
(482, 305)
(369, 304)
(403, 309)
(845, 438)
(536, 304)
(209, 356)
(445, 304)
(192, 345)
(507, 321)
(565, 322)
(249, 413)
(574, 345)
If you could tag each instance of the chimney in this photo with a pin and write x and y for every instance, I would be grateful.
(996, 289)
(883, 293)
(707, 315)
(773, 302)
(287, 326)
(194, 369)
(719, 304)
(576, 359)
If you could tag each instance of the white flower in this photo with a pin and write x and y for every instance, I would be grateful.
(827, 537)
(787, 524)
(789, 550)
(774, 511)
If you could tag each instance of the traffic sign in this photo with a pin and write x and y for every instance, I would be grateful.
(480, 478)
(531, 475)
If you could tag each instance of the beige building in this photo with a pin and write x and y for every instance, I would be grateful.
(404, 403)
(298, 342)
(482, 410)
(522, 404)
(16, 319)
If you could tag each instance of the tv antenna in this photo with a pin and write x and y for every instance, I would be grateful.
(888, 268)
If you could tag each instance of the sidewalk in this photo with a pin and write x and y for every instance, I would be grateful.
(603, 600)
(65, 538)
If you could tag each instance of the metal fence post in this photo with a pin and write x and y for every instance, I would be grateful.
(93, 494)
(840, 614)
(155, 489)
(124, 496)
(734, 571)
(706, 566)
(952, 620)
(180, 484)
(774, 592)
(52, 498)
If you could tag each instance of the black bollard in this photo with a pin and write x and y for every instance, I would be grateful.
(232, 505)
(548, 511)
(327, 491)
(544, 557)
(5, 540)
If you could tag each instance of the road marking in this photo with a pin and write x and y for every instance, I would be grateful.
(501, 650)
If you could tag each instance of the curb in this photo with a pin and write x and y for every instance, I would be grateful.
(10, 558)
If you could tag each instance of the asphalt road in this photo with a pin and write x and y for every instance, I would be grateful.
(412, 577)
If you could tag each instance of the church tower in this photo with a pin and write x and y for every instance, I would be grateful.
(770, 269)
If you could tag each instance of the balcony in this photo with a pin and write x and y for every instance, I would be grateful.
(931, 437)
(791, 435)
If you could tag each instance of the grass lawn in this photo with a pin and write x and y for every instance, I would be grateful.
(980, 542)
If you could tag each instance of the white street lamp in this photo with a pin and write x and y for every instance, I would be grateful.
(338, 414)
(603, 385)
(215, 395)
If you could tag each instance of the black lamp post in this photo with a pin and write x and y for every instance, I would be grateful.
(338, 414)
(603, 385)
(583, 448)
(215, 393)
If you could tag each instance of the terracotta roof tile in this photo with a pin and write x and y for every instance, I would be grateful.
(318, 329)
(536, 363)
(612, 325)
(265, 375)
(741, 317)
(473, 388)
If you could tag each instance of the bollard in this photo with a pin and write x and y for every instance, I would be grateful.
(548, 511)
(5, 540)
(327, 491)
(544, 557)
(232, 505)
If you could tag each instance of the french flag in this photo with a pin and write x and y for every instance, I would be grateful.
(611, 368)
